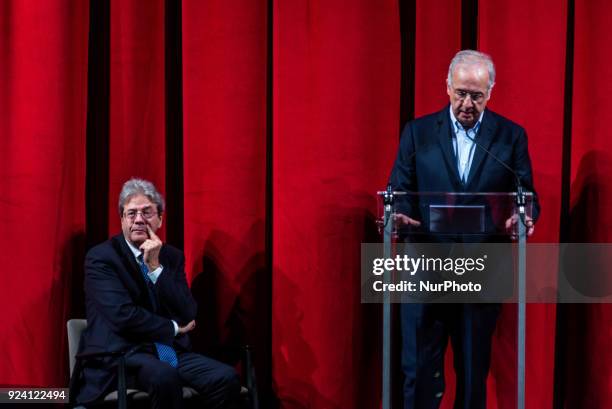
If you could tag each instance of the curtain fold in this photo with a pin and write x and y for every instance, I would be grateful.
(434, 52)
(336, 89)
(137, 98)
(43, 89)
(225, 91)
(588, 376)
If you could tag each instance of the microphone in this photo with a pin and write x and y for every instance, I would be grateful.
(388, 196)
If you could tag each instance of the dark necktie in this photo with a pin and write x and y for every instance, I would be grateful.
(165, 352)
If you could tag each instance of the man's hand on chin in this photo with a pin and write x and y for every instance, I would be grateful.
(150, 249)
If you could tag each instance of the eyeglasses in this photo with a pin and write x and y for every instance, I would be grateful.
(148, 213)
(477, 97)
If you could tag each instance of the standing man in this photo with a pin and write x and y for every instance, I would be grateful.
(443, 152)
(137, 298)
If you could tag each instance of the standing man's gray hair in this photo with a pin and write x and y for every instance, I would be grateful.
(472, 57)
(137, 186)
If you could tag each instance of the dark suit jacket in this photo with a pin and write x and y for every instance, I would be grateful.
(120, 314)
(426, 160)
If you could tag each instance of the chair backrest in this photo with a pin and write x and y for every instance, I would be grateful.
(75, 328)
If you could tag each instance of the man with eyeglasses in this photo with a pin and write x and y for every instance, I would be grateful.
(446, 152)
(138, 300)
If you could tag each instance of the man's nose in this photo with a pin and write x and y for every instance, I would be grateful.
(139, 218)
(467, 102)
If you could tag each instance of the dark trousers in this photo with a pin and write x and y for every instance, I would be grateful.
(217, 383)
(425, 332)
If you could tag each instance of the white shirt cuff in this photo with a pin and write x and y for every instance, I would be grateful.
(175, 327)
(154, 275)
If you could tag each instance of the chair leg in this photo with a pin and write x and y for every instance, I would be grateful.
(76, 374)
(251, 382)
(121, 385)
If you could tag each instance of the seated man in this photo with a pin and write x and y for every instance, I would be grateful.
(137, 294)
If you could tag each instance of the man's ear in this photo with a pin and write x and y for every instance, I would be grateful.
(489, 91)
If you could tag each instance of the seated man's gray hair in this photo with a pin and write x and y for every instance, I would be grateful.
(137, 186)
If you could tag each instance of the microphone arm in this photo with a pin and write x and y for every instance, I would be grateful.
(520, 191)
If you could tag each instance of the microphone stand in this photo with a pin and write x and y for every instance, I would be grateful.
(388, 201)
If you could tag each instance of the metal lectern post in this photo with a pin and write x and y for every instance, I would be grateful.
(386, 358)
(521, 322)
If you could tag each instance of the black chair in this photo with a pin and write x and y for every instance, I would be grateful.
(123, 394)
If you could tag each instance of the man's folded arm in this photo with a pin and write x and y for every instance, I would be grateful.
(175, 293)
(113, 301)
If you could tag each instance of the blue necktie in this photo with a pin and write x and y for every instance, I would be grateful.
(165, 352)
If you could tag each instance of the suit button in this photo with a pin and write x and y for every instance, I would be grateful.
(439, 395)
(436, 374)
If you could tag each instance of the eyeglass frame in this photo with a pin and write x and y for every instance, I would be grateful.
(476, 97)
(142, 213)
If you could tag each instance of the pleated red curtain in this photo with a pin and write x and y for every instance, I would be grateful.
(336, 121)
(43, 95)
(433, 52)
(588, 374)
(137, 98)
(225, 91)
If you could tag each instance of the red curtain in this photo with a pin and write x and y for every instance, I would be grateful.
(137, 98)
(431, 68)
(336, 121)
(290, 121)
(588, 377)
(43, 89)
(225, 90)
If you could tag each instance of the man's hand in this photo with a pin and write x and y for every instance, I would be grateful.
(402, 219)
(150, 249)
(187, 328)
(513, 220)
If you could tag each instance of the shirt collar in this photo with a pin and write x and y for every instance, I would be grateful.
(457, 125)
(134, 250)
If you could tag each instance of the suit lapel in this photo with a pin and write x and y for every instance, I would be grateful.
(484, 138)
(446, 144)
(131, 266)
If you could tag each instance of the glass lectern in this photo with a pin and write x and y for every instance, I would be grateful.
(451, 217)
